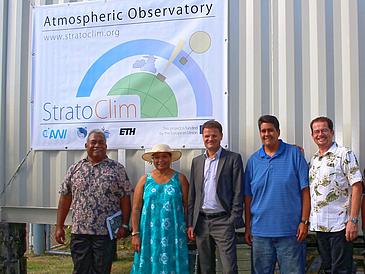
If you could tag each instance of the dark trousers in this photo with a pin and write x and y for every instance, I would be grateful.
(335, 251)
(212, 232)
(92, 254)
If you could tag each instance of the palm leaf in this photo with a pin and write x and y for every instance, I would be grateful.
(331, 196)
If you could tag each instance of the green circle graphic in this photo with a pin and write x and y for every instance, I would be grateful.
(157, 98)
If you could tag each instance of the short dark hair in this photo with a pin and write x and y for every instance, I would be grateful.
(212, 124)
(322, 119)
(96, 131)
(268, 119)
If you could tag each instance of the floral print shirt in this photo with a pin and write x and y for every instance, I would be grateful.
(330, 178)
(96, 191)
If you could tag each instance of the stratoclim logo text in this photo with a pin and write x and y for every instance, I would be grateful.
(106, 109)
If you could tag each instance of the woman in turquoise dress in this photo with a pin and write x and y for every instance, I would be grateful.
(159, 216)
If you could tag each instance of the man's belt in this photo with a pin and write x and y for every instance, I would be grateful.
(212, 215)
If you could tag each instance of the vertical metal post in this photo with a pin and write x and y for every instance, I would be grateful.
(39, 239)
(48, 235)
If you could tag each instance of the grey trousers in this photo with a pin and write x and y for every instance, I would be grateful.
(216, 232)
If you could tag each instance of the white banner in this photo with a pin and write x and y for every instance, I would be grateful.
(145, 72)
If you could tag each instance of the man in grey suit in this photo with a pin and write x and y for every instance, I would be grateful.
(215, 203)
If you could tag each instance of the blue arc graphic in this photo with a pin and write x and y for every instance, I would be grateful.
(159, 48)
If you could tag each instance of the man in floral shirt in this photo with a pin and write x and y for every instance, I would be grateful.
(97, 187)
(335, 187)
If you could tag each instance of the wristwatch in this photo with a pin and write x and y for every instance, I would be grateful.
(305, 222)
(126, 227)
(135, 233)
(354, 220)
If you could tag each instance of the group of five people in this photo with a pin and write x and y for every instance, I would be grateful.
(281, 197)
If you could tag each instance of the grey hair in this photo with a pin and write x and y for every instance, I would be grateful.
(96, 131)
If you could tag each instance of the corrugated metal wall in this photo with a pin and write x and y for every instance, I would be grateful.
(294, 59)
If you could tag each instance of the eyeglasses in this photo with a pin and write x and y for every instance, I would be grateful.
(324, 130)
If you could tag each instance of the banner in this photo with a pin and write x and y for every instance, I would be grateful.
(144, 72)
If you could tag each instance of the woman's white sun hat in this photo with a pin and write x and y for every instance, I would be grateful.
(175, 155)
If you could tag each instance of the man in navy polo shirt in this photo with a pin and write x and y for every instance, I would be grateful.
(277, 203)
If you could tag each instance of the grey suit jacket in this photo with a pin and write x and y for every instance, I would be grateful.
(229, 185)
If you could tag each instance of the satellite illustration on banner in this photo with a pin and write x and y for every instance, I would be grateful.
(199, 43)
(157, 99)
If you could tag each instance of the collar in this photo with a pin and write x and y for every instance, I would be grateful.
(87, 160)
(216, 155)
(332, 150)
(281, 149)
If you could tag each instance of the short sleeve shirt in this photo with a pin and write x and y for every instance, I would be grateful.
(330, 178)
(96, 191)
(275, 184)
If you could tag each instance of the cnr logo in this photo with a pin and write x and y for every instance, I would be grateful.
(54, 134)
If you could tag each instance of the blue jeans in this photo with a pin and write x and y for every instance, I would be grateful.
(335, 251)
(289, 253)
